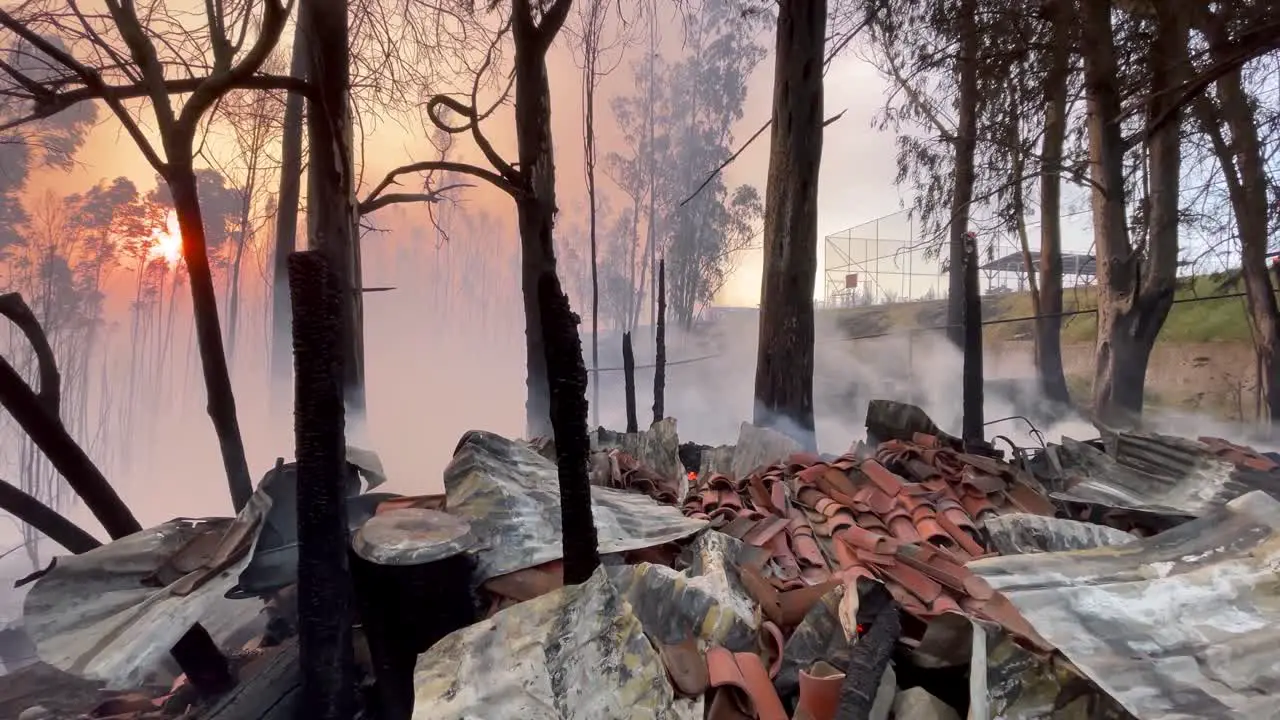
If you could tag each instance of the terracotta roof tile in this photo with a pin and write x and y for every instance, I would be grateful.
(907, 517)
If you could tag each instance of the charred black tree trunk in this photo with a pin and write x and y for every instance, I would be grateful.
(213, 357)
(965, 145)
(784, 360)
(536, 206)
(660, 346)
(629, 382)
(287, 230)
(567, 379)
(324, 588)
(331, 211)
(973, 401)
(1048, 326)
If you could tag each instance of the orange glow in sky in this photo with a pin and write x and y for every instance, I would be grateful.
(168, 242)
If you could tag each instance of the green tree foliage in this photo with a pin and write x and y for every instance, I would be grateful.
(695, 103)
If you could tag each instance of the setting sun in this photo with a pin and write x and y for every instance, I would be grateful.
(168, 243)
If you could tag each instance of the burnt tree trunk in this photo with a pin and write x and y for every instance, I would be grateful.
(965, 144)
(972, 372)
(1244, 170)
(331, 209)
(287, 208)
(324, 587)
(568, 385)
(660, 346)
(784, 361)
(1135, 288)
(536, 204)
(1048, 324)
(629, 382)
(213, 358)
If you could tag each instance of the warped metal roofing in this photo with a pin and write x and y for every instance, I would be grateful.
(1184, 624)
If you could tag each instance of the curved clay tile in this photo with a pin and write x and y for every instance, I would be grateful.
(887, 482)
(900, 525)
(819, 692)
(977, 506)
(860, 537)
(772, 644)
(925, 440)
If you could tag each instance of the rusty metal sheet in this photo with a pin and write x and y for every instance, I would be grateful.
(1185, 624)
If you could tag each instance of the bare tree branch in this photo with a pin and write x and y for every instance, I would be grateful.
(50, 104)
(375, 203)
(490, 176)
(719, 168)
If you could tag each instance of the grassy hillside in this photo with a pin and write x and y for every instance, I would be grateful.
(1193, 321)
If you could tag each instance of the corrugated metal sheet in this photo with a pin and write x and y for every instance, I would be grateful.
(106, 615)
(510, 495)
(1181, 625)
(1024, 533)
(1155, 473)
(578, 652)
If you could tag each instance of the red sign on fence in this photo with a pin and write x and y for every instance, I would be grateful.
(851, 281)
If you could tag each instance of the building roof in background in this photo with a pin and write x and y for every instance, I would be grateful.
(1072, 263)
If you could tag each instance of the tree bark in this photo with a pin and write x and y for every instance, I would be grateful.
(1244, 171)
(965, 146)
(1135, 292)
(568, 385)
(536, 205)
(629, 382)
(660, 347)
(589, 139)
(324, 586)
(287, 207)
(331, 206)
(1246, 179)
(1048, 324)
(181, 179)
(972, 418)
(45, 519)
(784, 362)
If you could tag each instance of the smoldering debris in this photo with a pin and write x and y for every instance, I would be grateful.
(751, 579)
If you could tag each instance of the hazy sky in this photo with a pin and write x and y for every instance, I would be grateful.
(856, 184)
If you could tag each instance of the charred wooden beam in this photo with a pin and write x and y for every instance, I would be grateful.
(203, 663)
(324, 586)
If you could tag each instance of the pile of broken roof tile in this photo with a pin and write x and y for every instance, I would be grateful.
(618, 469)
(1240, 455)
(907, 515)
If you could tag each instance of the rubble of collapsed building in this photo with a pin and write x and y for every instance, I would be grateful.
(909, 577)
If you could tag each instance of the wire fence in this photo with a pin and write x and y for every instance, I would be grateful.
(924, 330)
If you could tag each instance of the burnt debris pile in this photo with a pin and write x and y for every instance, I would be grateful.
(913, 576)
